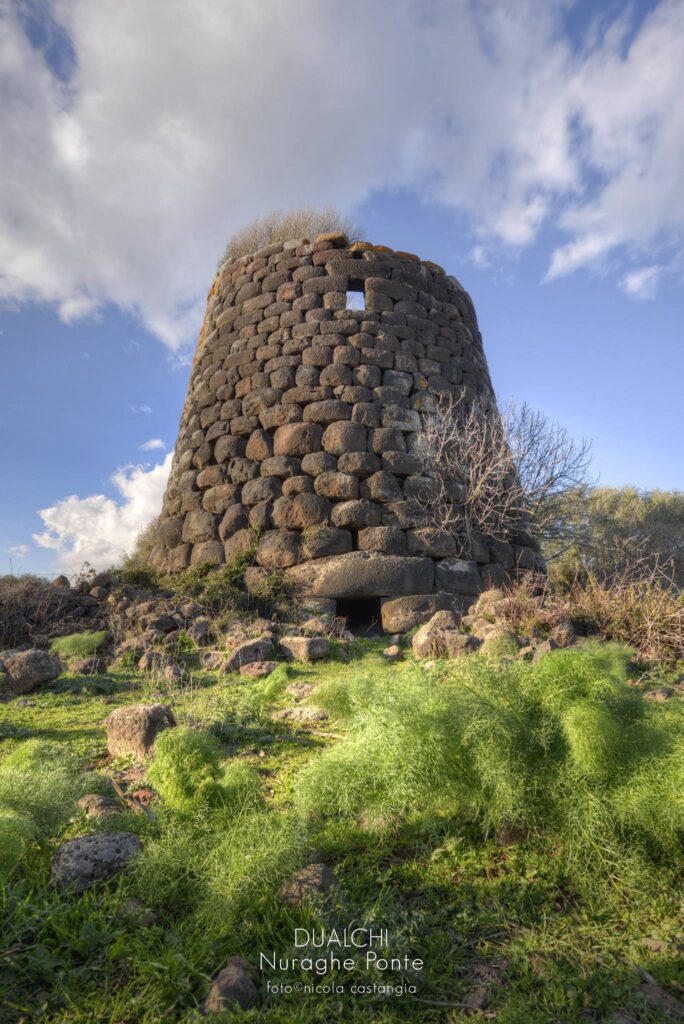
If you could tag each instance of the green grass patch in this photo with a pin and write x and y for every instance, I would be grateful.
(78, 645)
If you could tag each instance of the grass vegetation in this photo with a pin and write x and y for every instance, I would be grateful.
(285, 226)
(406, 794)
(79, 645)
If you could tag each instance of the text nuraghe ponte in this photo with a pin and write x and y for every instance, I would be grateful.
(301, 426)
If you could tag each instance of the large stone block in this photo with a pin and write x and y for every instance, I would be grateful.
(363, 574)
(457, 576)
(297, 439)
(399, 614)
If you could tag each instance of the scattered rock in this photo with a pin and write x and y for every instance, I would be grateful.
(172, 673)
(399, 614)
(660, 1000)
(312, 880)
(233, 986)
(477, 999)
(152, 661)
(303, 716)
(79, 863)
(258, 669)
(137, 913)
(660, 695)
(392, 653)
(440, 638)
(300, 691)
(199, 632)
(511, 834)
(655, 945)
(248, 652)
(545, 648)
(97, 806)
(134, 728)
(94, 666)
(61, 583)
(26, 670)
(305, 648)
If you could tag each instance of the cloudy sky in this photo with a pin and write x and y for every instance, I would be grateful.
(535, 148)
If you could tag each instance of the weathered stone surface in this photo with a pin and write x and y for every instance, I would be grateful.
(97, 806)
(388, 540)
(134, 728)
(297, 439)
(258, 669)
(363, 574)
(25, 670)
(249, 652)
(311, 881)
(233, 986)
(399, 614)
(322, 541)
(279, 549)
(441, 638)
(80, 863)
(457, 576)
(305, 648)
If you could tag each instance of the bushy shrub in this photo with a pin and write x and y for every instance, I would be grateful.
(79, 645)
(563, 746)
(219, 588)
(187, 774)
(30, 606)
(186, 769)
(638, 607)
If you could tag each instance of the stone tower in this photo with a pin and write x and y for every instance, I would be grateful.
(300, 429)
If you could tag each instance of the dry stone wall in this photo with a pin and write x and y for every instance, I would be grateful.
(302, 423)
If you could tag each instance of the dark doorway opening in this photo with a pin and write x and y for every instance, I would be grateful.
(362, 615)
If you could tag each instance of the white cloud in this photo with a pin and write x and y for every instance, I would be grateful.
(181, 121)
(18, 550)
(98, 529)
(145, 409)
(154, 442)
(642, 283)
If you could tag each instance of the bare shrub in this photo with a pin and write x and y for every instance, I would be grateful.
(499, 473)
(31, 607)
(638, 605)
(283, 226)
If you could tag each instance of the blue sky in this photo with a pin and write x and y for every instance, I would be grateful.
(533, 149)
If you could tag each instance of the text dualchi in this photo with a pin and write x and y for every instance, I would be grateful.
(368, 940)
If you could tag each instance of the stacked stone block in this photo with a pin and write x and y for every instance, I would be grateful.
(302, 423)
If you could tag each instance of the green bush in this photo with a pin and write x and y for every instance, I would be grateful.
(78, 645)
(563, 746)
(186, 769)
(219, 588)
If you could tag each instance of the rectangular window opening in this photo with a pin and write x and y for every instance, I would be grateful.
(356, 296)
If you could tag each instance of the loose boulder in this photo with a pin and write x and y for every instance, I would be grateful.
(80, 863)
(441, 638)
(312, 880)
(97, 806)
(233, 986)
(305, 648)
(249, 652)
(26, 670)
(399, 614)
(133, 729)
